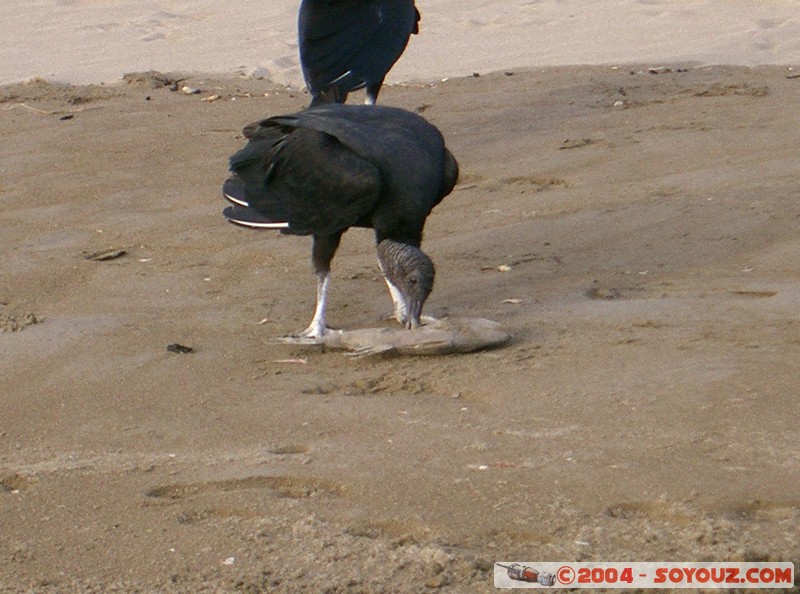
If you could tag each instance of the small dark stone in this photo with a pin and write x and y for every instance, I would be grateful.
(179, 348)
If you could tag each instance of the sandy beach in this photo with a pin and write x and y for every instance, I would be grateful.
(93, 41)
(627, 210)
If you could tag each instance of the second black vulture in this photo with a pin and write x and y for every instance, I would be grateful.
(332, 167)
(346, 45)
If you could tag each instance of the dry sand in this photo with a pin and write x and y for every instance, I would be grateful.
(91, 41)
(636, 231)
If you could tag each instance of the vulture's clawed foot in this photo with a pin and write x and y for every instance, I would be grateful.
(314, 334)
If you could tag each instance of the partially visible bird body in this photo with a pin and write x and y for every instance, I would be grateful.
(333, 167)
(346, 45)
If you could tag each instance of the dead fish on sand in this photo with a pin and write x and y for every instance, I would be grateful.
(437, 337)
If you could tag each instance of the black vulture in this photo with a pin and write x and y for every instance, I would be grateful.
(332, 167)
(349, 44)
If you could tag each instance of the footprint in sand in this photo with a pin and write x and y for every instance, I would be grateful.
(291, 487)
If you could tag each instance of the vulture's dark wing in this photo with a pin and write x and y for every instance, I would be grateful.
(305, 177)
